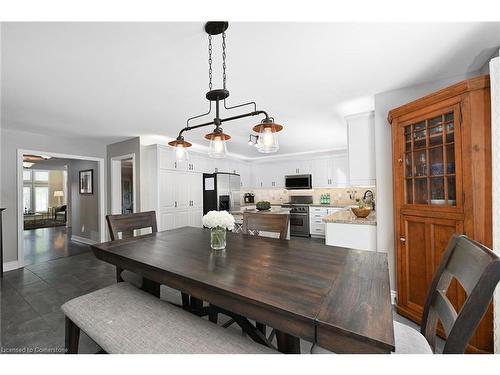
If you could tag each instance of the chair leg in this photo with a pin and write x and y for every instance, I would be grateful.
(213, 315)
(72, 337)
(261, 327)
(119, 274)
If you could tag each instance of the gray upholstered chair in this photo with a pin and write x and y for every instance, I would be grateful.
(127, 225)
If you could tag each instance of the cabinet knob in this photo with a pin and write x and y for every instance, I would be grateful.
(400, 160)
(402, 239)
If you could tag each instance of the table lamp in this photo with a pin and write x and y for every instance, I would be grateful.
(59, 194)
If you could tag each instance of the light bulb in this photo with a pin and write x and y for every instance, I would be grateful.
(268, 140)
(181, 153)
(218, 145)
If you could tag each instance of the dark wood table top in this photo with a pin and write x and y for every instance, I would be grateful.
(303, 288)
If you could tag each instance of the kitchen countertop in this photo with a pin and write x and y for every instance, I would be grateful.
(347, 217)
(283, 211)
(310, 205)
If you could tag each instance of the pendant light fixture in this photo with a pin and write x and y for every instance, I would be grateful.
(267, 140)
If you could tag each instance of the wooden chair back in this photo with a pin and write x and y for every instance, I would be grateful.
(254, 223)
(127, 223)
(477, 269)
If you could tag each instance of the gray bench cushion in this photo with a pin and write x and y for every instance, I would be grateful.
(409, 341)
(123, 319)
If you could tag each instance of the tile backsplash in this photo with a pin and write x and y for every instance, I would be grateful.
(340, 196)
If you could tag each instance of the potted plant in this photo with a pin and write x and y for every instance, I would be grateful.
(218, 222)
(263, 205)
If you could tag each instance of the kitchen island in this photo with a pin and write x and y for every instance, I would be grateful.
(238, 217)
(345, 229)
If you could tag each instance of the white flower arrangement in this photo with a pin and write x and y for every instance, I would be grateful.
(218, 219)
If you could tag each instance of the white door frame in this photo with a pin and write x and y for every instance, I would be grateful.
(114, 163)
(20, 183)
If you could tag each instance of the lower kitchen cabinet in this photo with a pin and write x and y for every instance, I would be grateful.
(352, 236)
(316, 216)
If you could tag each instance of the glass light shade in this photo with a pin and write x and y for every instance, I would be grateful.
(217, 147)
(268, 140)
(181, 153)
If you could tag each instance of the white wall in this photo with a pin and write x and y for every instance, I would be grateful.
(384, 102)
(12, 140)
(84, 207)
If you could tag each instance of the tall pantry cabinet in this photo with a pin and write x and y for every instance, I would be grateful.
(441, 147)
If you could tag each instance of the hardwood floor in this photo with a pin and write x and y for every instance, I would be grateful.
(45, 244)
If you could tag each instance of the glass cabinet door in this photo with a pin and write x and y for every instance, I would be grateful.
(430, 160)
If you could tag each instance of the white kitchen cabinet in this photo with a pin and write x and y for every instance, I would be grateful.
(194, 218)
(352, 236)
(330, 172)
(361, 145)
(166, 220)
(339, 172)
(316, 216)
(175, 195)
(292, 167)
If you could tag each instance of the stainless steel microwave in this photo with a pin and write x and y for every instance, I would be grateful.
(299, 181)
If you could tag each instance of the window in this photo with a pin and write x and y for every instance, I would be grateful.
(27, 198)
(41, 199)
(41, 176)
(26, 175)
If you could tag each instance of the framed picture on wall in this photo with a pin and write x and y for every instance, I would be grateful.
(87, 181)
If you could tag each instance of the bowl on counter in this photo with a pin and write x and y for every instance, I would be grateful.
(361, 212)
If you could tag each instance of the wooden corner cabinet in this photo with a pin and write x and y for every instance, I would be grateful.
(441, 148)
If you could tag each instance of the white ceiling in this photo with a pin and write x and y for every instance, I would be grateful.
(118, 80)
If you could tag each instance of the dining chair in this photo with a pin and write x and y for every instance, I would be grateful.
(477, 269)
(255, 223)
(127, 225)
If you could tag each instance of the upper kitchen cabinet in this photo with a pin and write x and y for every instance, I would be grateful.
(330, 172)
(361, 145)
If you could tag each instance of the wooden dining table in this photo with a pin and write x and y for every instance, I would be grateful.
(334, 297)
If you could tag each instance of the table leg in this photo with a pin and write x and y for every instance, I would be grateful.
(196, 305)
(287, 343)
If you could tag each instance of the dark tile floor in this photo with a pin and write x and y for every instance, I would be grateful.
(45, 244)
(30, 300)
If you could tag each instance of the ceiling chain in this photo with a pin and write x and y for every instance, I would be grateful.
(209, 62)
(224, 59)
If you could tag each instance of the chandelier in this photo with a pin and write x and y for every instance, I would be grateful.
(266, 140)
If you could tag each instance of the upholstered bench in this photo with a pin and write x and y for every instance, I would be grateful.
(124, 319)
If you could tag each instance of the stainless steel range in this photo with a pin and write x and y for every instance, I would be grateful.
(299, 214)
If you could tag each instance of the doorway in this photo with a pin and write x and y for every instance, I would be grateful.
(49, 198)
(123, 191)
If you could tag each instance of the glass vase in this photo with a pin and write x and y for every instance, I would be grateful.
(218, 238)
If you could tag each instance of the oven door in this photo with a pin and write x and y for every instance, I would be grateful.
(299, 225)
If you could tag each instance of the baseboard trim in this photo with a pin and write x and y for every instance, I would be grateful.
(84, 240)
(10, 266)
(394, 296)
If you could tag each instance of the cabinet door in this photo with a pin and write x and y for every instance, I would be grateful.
(181, 190)
(167, 221)
(320, 172)
(339, 171)
(361, 139)
(429, 161)
(166, 158)
(421, 245)
(181, 218)
(194, 218)
(303, 167)
(167, 189)
(195, 187)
